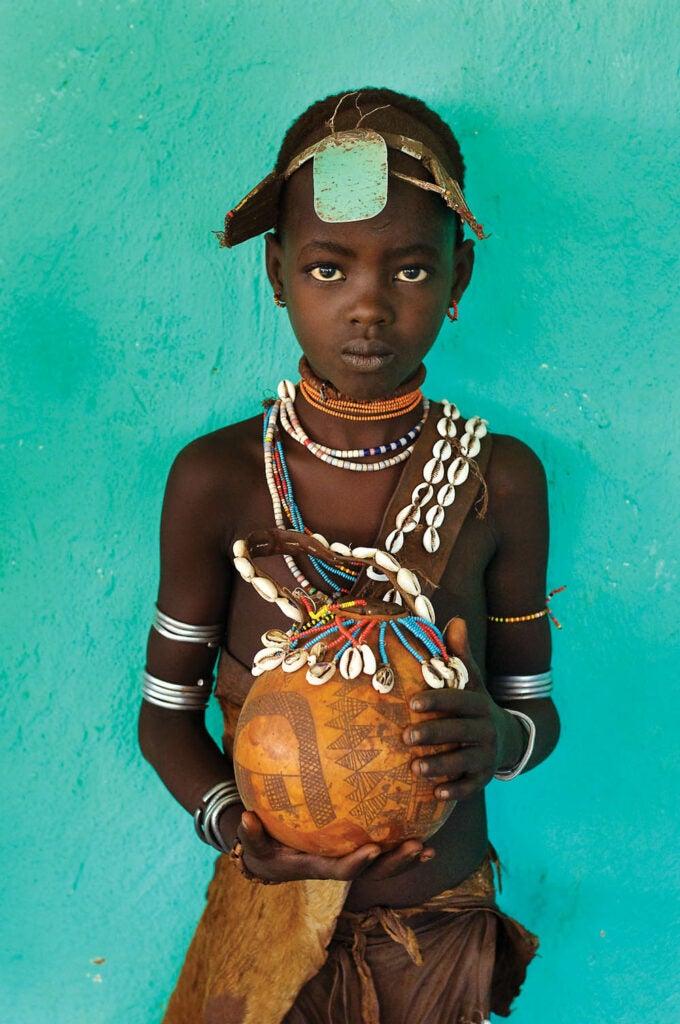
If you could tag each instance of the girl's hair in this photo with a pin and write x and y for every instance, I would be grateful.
(322, 111)
(348, 107)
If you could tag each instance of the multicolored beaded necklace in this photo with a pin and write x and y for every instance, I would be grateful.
(442, 468)
(340, 580)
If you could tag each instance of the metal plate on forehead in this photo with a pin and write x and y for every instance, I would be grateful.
(350, 176)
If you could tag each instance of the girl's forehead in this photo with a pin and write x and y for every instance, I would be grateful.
(411, 215)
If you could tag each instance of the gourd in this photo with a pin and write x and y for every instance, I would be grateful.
(318, 749)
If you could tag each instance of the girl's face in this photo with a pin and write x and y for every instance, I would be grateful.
(366, 299)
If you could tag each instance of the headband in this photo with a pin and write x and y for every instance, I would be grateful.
(351, 177)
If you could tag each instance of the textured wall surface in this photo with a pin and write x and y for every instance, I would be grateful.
(129, 129)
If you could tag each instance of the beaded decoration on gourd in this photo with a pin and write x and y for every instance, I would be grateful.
(328, 638)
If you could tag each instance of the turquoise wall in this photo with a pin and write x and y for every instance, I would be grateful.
(129, 129)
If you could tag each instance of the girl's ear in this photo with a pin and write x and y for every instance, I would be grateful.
(274, 257)
(463, 262)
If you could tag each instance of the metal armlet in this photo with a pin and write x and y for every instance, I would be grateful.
(174, 629)
(177, 696)
(504, 688)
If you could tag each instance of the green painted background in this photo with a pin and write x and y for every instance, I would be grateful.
(129, 128)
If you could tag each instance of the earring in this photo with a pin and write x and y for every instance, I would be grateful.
(279, 300)
(453, 316)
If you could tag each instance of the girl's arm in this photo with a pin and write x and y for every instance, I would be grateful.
(487, 738)
(195, 589)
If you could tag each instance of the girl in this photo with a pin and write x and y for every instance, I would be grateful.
(366, 252)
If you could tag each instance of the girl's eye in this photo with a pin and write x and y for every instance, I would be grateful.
(412, 274)
(326, 272)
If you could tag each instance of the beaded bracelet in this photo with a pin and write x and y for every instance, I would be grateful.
(505, 775)
(216, 800)
(532, 615)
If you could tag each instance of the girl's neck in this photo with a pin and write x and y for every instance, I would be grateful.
(336, 420)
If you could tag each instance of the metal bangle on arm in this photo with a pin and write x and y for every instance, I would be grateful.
(505, 775)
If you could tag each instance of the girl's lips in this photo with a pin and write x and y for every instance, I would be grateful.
(367, 358)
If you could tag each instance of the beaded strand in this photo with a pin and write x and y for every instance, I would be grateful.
(346, 409)
(533, 615)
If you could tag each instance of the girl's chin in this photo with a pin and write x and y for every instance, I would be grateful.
(363, 378)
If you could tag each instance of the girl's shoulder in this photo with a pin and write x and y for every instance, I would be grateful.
(514, 467)
(221, 462)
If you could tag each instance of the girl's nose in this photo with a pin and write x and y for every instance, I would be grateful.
(370, 306)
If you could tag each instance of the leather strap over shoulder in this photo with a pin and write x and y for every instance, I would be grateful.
(430, 566)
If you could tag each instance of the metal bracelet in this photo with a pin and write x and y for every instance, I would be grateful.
(505, 775)
(521, 687)
(173, 629)
(216, 800)
(177, 696)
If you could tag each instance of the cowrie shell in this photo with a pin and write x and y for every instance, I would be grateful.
(289, 609)
(444, 670)
(386, 561)
(421, 494)
(407, 519)
(294, 660)
(265, 587)
(461, 673)
(375, 574)
(394, 597)
(395, 541)
(363, 553)
(240, 549)
(477, 426)
(351, 663)
(431, 676)
(317, 651)
(408, 582)
(470, 445)
(446, 427)
(435, 516)
(446, 495)
(433, 471)
(383, 679)
(276, 638)
(256, 671)
(441, 449)
(458, 472)
(321, 539)
(450, 409)
(423, 608)
(244, 567)
(368, 659)
(286, 391)
(320, 673)
(341, 549)
(267, 659)
(431, 540)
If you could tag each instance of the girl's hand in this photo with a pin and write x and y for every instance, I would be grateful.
(271, 861)
(480, 735)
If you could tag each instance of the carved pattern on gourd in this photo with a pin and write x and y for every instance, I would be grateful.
(372, 790)
(294, 708)
(276, 793)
